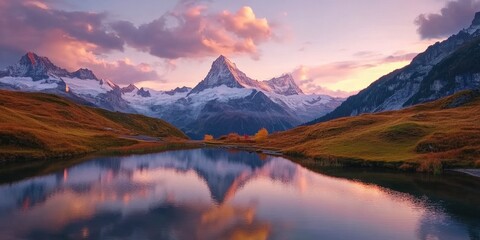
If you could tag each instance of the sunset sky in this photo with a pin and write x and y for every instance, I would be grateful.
(333, 47)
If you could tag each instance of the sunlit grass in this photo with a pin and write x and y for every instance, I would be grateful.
(428, 131)
(36, 125)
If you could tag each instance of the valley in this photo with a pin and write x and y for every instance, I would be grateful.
(238, 120)
(226, 100)
(427, 138)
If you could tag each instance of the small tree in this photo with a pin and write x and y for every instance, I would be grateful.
(261, 134)
(208, 137)
(233, 137)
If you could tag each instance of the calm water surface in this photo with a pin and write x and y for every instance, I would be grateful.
(216, 194)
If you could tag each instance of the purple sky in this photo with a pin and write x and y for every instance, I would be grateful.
(334, 47)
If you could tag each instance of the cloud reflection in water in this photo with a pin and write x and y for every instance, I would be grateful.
(210, 194)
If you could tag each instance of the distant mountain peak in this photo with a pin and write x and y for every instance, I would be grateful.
(129, 88)
(36, 67)
(476, 20)
(144, 93)
(443, 69)
(31, 57)
(178, 90)
(473, 29)
(84, 73)
(285, 85)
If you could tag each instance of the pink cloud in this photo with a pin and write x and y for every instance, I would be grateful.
(27, 23)
(123, 71)
(246, 25)
(80, 39)
(72, 40)
(191, 31)
(312, 88)
(313, 79)
(328, 73)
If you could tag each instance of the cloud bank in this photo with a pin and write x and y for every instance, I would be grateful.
(191, 31)
(77, 39)
(455, 16)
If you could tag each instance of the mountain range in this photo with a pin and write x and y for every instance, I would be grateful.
(443, 69)
(227, 100)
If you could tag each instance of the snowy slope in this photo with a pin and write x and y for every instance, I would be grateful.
(27, 83)
(191, 102)
(226, 100)
(88, 87)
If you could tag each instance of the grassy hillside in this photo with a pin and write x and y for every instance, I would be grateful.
(37, 125)
(446, 131)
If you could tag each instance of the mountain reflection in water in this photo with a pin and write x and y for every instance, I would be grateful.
(214, 194)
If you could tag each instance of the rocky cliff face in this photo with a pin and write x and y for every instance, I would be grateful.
(36, 73)
(443, 69)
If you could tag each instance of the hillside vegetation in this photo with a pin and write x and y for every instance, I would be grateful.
(38, 125)
(446, 132)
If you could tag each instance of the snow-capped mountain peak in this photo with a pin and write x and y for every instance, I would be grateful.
(475, 26)
(223, 61)
(444, 68)
(143, 93)
(222, 72)
(130, 88)
(178, 90)
(36, 67)
(225, 72)
(476, 20)
(225, 101)
(284, 85)
(84, 73)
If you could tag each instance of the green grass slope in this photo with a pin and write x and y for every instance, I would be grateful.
(446, 131)
(37, 125)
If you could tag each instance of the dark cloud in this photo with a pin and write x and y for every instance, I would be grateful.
(24, 22)
(455, 16)
(71, 39)
(189, 30)
(9, 55)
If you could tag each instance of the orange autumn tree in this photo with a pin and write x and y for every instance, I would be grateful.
(208, 137)
(233, 137)
(261, 134)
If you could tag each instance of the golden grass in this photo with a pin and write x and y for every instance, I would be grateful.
(37, 125)
(425, 137)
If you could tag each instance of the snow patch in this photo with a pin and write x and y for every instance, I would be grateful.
(90, 87)
(27, 83)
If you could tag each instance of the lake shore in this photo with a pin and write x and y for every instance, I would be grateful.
(435, 167)
(471, 172)
(127, 145)
(47, 163)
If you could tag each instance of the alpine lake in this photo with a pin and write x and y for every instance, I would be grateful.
(214, 193)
